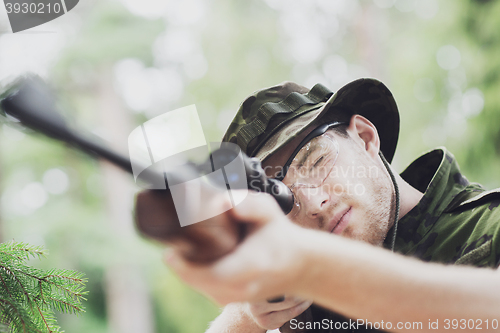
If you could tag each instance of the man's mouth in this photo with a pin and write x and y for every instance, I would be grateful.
(340, 221)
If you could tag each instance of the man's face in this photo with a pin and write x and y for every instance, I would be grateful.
(355, 198)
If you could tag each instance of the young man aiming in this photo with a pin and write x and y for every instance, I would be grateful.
(332, 150)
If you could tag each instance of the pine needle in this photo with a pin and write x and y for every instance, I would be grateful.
(29, 296)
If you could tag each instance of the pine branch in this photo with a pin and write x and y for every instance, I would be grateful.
(20, 251)
(29, 296)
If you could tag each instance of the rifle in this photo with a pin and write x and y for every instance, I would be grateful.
(30, 102)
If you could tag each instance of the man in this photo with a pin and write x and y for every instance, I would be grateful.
(331, 150)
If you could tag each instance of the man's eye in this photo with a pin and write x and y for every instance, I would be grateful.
(318, 162)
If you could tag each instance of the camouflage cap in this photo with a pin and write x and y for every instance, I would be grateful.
(272, 117)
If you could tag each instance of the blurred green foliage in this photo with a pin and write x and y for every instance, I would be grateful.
(233, 49)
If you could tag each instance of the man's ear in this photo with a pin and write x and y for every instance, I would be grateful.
(364, 133)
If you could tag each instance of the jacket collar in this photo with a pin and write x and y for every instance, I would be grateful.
(438, 175)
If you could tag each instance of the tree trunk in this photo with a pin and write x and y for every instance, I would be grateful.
(128, 302)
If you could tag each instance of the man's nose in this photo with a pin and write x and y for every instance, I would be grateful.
(315, 201)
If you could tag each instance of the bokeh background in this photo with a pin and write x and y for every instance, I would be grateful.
(116, 63)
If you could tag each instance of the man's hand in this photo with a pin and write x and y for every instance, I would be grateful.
(267, 263)
(273, 315)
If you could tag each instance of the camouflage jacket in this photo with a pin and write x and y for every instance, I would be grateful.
(455, 222)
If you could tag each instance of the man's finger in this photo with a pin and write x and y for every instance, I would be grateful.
(186, 270)
(246, 210)
(262, 307)
(277, 319)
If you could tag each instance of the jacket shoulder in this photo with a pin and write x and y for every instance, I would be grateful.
(474, 196)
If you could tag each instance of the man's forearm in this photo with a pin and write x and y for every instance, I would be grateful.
(361, 281)
(234, 319)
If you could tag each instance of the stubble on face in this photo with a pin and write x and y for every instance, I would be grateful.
(378, 213)
(372, 212)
